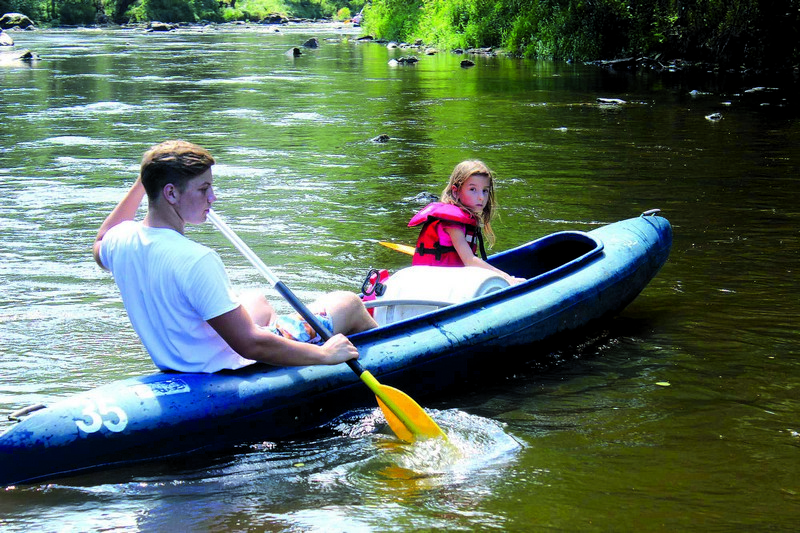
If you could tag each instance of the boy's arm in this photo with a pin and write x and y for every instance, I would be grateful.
(253, 342)
(125, 210)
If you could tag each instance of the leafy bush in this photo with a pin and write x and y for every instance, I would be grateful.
(207, 10)
(392, 19)
(253, 10)
(321, 9)
(74, 12)
(36, 10)
(730, 32)
(462, 23)
(170, 10)
(343, 14)
(567, 29)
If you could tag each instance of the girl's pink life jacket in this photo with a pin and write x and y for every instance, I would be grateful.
(429, 251)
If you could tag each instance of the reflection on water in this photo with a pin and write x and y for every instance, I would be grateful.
(588, 442)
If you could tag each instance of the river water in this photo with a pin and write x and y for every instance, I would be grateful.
(683, 414)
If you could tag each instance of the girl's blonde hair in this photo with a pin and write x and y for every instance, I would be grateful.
(460, 174)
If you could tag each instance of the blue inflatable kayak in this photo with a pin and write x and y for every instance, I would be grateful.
(573, 278)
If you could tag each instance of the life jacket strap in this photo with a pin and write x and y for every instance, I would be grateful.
(437, 250)
(480, 243)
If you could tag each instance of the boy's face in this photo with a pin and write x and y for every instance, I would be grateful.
(193, 203)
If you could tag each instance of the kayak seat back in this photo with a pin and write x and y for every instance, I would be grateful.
(416, 290)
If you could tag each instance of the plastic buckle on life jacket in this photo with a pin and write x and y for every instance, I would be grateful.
(373, 285)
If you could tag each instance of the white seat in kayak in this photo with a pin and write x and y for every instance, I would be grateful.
(421, 289)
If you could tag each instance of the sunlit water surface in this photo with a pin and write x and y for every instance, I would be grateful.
(682, 414)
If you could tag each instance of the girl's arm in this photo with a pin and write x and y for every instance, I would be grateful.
(464, 251)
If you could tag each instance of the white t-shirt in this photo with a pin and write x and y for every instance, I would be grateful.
(171, 286)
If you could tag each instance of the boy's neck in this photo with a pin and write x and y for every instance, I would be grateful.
(160, 216)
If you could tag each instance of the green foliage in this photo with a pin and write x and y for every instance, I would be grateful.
(118, 10)
(313, 9)
(730, 32)
(36, 10)
(207, 10)
(462, 23)
(85, 11)
(75, 12)
(252, 10)
(165, 10)
(134, 13)
(169, 10)
(393, 19)
(759, 33)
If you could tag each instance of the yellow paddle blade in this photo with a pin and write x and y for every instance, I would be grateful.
(399, 247)
(415, 424)
(407, 419)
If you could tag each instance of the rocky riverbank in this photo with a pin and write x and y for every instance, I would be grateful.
(12, 22)
(9, 54)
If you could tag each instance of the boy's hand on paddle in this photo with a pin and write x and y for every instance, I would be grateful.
(339, 349)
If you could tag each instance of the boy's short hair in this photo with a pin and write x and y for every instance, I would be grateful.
(173, 162)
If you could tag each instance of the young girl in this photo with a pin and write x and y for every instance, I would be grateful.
(453, 228)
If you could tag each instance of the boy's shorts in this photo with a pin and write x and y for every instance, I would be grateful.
(294, 327)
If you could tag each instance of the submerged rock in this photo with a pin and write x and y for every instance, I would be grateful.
(311, 43)
(160, 26)
(611, 101)
(274, 18)
(5, 39)
(27, 55)
(482, 51)
(410, 60)
(426, 197)
(14, 57)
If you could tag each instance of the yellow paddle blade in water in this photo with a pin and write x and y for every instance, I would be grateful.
(407, 419)
(416, 423)
(399, 247)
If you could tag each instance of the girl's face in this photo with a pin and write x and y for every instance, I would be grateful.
(474, 192)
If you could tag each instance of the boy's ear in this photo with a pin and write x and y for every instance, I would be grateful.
(170, 193)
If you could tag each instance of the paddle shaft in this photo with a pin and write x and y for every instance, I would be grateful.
(312, 320)
(277, 284)
(406, 418)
